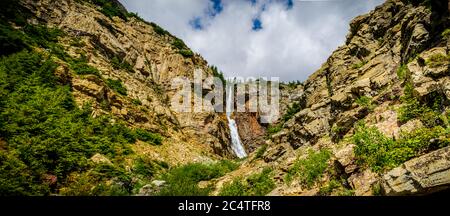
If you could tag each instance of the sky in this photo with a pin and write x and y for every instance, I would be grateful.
(289, 39)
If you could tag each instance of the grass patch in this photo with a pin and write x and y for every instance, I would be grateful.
(438, 60)
(183, 180)
(358, 65)
(446, 33)
(310, 169)
(117, 86)
(365, 101)
(273, 129)
(258, 184)
(291, 111)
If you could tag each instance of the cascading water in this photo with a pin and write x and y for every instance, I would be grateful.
(236, 144)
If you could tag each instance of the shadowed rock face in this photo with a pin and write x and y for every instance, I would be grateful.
(426, 174)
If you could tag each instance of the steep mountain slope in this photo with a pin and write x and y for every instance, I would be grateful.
(379, 100)
(116, 71)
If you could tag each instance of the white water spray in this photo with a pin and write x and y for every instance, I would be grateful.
(236, 144)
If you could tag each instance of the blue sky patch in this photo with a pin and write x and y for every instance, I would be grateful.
(257, 24)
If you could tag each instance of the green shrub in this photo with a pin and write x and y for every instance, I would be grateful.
(43, 127)
(117, 86)
(438, 60)
(446, 33)
(111, 9)
(159, 30)
(292, 110)
(365, 101)
(148, 168)
(273, 129)
(310, 169)
(186, 53)
(258, 184)
(183, 180)
(218, 74)
(379, 152)
(121, 64)
(81, 67)
(403, 72)
(358, 65)
(179, 44)
(149, 137)
(260, 152)
(136, 102)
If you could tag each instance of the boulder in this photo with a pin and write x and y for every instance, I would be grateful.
(99, 158)
(426, 174)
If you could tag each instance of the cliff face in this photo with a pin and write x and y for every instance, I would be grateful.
(146, 59)
(356, 111)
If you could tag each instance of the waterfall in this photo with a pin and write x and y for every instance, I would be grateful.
(236, 144)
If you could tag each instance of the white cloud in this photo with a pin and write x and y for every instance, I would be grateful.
(291, 45)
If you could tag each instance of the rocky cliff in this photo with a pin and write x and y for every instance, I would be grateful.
(380, 100)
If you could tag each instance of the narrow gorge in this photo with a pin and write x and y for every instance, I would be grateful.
(86, 89)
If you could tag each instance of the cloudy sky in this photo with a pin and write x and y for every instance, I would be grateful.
(289, 39)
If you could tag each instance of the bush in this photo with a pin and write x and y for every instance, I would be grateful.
(258, 184)
(159, 30)
(136, 102)
(358, 65)
(379, 152)
(446, 33)
(121, 64)
(310, 169)
(260, 152)
(218, 74)
(186, 53)
(292, 110)
(403, 72)
(183, 180)
(438, 60)
(273, 129)
(366, 102)
(146, 136)
(111, 9)
(81, 67)
(117, 86)
(148, 168)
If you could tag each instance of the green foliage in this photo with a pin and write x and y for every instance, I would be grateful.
(182, 48)
(159, 30)
(412, 108)
(358, 65)
(186, 53)
(438, 60)
(260, 152)
(446, 33)
(45, 132)
(77, 42)
(258, 184)
(14, 40)
(379, 152)
(121, 64)
(310, 169)
(292, 110)
(218, 74)
(111, 9)
(403, 72)
(80, 66)
(149, 137)
(117, 86)
(365, 101)
(148, 168)
(273, 129)
(136, 102)
(183, 180)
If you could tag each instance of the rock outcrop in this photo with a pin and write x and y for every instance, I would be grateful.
(423, 175)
